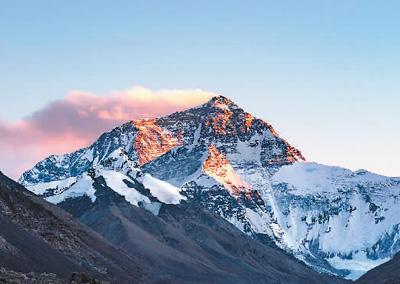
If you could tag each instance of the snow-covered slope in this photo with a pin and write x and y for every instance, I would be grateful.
(349, 218)
(120, 174)
(221, 157)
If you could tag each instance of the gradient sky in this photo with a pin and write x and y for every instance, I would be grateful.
(325, 74)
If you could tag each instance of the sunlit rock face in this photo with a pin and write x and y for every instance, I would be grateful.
(218, 167)
(152, 141)
(236, 165)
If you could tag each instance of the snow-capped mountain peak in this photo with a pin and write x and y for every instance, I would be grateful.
(222, 103)
(221, 157)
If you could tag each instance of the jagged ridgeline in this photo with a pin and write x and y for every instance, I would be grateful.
(222, 159)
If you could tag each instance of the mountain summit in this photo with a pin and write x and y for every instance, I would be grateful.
(218, 121)
(223, 159)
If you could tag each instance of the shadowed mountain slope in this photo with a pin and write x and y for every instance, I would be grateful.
(387, 273)
(36, 236)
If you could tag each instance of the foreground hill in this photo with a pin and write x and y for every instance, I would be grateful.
(37, 237)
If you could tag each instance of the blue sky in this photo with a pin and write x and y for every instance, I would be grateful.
(324, 73)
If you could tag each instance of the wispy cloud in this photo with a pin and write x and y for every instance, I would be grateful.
(77, 120)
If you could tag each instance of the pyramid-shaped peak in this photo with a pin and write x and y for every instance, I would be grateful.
(221, 99)
(221, 102)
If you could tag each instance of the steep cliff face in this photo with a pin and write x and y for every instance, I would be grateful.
(222, 158)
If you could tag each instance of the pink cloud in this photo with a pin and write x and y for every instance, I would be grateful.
(76, 121)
